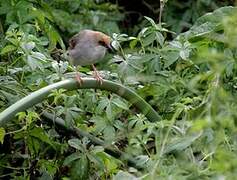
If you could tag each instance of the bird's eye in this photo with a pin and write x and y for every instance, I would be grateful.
(72, 43)
(102, 43)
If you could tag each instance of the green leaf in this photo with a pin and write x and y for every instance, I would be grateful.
(75, 143)
(31, 116)
(109, 111)
(81, 168)
(40, 134)
(97, 149)
(110, 162)
(149, 39)
(7, 49)
(176, 44)
(102, 104)
(2, 134)
(33, 62)
(122, 175)
(184, 54)
(10, 97)
(182, 143)
(54, 38)
(170, 57)
(210, 23)
(160, 38)
(151, 21)
(133, 43)
(132, 65)
(28, 46)
(100, 123)
(109, 134)
(39, 56)
(50, 166)
(69, 159)
(34, 144)
(119, 103)
(154, 65)
(21, 115)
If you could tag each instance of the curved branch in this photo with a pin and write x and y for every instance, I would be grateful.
(71, 84)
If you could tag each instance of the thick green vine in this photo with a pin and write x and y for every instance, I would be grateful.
(71, 84)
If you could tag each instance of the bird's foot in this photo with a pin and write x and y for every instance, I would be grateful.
(79, 79)
(98, 77)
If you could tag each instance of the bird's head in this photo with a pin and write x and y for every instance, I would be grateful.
(104, 40)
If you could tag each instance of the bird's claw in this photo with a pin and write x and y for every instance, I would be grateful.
(98, 77)
(79, 79)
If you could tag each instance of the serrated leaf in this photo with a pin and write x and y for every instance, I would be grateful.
(34, 144)
(131, 66)
(54, 38)
(109, 134)
(75, 143)
(109, 111)
(33, 63)
(102, 104)
(109, 161)
(149, 39)
(182, 143)
(80, 169)
(154, 65)
(210, 23)
(119, 103)
(170, 57)
(69, 159)
(100, 123)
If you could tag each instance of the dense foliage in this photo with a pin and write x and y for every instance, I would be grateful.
(189, 80)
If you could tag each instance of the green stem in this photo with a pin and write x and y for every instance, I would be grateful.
(60, 122)
(71, 84)
(112, 150)
(158, 161)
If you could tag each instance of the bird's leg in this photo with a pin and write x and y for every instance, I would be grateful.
(78, 77)
(97, 75)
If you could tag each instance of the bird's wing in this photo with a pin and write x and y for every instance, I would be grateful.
(78, 38)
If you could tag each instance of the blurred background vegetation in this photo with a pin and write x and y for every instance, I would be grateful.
(184, 66)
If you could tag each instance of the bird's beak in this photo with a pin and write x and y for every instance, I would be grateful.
(110, 47)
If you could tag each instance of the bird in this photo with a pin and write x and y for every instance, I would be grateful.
(88, 47)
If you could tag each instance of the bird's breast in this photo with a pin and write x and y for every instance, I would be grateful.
(87, 54)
